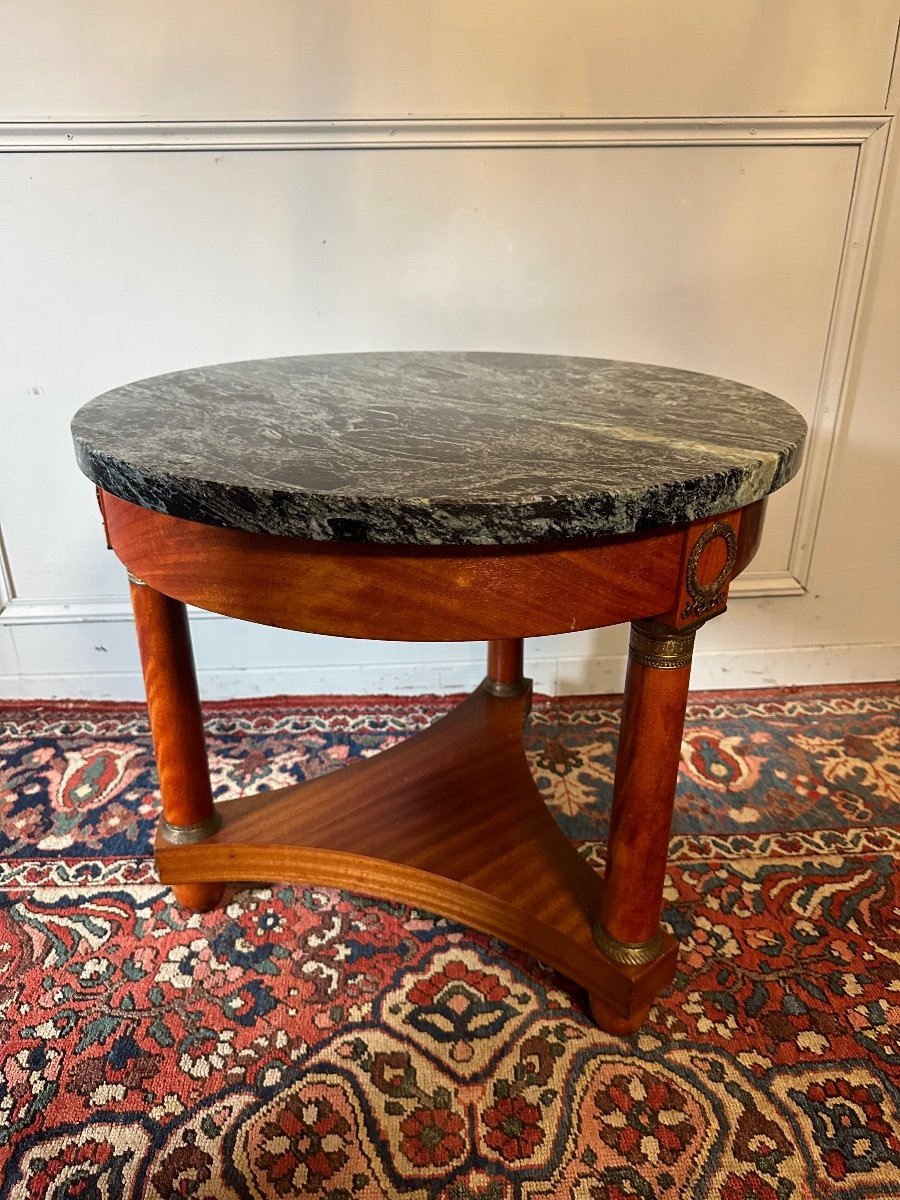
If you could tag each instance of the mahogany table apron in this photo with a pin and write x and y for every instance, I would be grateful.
(450, 819)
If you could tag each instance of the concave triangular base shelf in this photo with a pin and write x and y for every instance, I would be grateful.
(448, 820)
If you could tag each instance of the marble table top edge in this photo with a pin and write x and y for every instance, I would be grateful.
(438, 448)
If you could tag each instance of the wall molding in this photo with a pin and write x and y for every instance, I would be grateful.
(418, 132)
(7, 590)
(66, 610)
(839, 345)
(755, 585)
(868, 133)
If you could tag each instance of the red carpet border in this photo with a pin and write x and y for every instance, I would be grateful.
(304, 1042)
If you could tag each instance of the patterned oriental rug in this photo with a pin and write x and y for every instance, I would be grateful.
(306, 1042)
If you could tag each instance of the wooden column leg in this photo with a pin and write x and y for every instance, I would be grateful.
(656, 687)
(177, 728)
(505, 667)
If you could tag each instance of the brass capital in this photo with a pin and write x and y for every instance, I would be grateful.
(657, 646)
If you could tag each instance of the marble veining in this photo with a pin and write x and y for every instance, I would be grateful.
(438, 448)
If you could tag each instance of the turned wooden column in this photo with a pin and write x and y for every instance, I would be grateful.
(176, 725)
(504, 667)
(656, 688)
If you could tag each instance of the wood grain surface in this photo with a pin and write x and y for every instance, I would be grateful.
(647, 761)
(449, 820)
(416, 593)
(176, 722)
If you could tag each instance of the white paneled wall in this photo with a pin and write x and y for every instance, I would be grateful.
(698, 184)
(220, 59)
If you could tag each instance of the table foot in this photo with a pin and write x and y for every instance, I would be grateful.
(611, 1021)
(623, 993)
(198, 897)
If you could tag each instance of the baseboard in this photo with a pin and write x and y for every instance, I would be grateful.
(552, 674)
(795, 666)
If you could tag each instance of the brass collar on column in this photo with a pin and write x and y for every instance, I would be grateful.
(632, 954)
(655, 645)
(187, 835)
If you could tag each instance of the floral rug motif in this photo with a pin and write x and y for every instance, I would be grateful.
(306, 1042)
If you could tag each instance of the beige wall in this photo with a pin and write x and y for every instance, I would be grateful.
(699, 184)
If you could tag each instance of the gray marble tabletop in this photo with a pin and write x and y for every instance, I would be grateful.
(429, 448)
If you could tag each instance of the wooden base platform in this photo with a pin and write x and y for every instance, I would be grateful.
(449, 820)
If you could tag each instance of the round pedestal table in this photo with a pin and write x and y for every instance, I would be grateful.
(441, 497)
